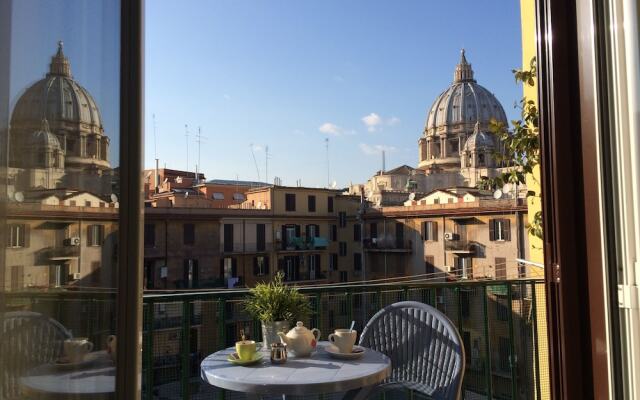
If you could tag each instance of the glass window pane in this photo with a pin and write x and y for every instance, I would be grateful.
(59, 199)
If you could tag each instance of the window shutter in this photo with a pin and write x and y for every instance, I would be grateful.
(297, 230)
(434, 231)
(100, 234)
(234, 267)
(507, 229)
(423, 230)
(27, 235)
(89, 235)
(317, 230)
(284, 237)
(266, 265)
(492, 230)
(222, 268)
(256, 269)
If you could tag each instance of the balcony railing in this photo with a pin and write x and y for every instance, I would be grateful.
(303, 243)
(501, 323)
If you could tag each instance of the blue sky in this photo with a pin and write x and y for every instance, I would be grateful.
(281, 73)
(288, 74)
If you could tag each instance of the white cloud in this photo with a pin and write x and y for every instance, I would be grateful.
(330, 129)
(376, 149)
(335, 130)
(372, 121)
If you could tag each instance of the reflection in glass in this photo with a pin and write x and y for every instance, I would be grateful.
(60, 200)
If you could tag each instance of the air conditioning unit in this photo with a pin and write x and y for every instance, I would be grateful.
(439, 299)
(278, 235)
(447, 268)
(72, 241)
(75, 276)
(449, 236)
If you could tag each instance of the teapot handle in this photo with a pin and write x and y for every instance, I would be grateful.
(316, 333)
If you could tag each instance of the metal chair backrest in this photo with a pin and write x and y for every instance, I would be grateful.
(426, 351)
(28, 339)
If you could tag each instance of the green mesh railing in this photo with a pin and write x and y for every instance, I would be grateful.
(500, 323)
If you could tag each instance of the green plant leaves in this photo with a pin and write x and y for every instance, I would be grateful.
(276, 301)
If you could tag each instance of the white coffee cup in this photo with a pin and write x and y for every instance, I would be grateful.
(343, 339)
(76, 348)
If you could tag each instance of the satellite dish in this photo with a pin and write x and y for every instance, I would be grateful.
(497, 194)
(178, 179)
(412, 196)
(148, 174)
(334, 184)
(19, 196)
(259, 205)
(378, 202)
(186, 195)
(507, 188)
(114, 198)
(165, 180)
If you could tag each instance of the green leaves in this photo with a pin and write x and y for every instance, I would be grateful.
(275, 301)
(521, 147)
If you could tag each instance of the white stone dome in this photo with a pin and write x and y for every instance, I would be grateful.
(465, 102)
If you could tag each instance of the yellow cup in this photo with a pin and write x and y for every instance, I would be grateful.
(246, 349)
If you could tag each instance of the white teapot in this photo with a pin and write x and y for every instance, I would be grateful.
(300, 340)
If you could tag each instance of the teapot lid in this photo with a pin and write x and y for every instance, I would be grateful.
(300, 326)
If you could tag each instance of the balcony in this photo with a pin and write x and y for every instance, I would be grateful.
(304, 244)
(390, 245)
(464, 247)
(66, 253)
(497, 320)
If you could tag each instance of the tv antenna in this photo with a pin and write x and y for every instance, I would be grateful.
(253, 154)
(186, 135)
(199, 139)
(267, 156)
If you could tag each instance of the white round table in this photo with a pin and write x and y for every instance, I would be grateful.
(317, 374)
(97, 380)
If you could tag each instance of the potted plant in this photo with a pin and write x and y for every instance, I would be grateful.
(277, 306)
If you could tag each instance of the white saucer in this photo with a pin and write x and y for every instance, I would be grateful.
(357, 352)
(64, 364)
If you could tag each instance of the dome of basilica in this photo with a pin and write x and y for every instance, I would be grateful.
(57, 97)
(464, 107)
(464, 102)
(71, 114)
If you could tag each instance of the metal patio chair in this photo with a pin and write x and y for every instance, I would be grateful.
(28, 339)
(426, 351)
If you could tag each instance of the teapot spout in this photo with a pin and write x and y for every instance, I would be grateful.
(284, 338)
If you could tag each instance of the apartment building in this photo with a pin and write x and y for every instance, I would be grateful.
(61, 245)
(478, 239)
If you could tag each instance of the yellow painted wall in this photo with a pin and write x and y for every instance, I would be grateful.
(528, 25)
